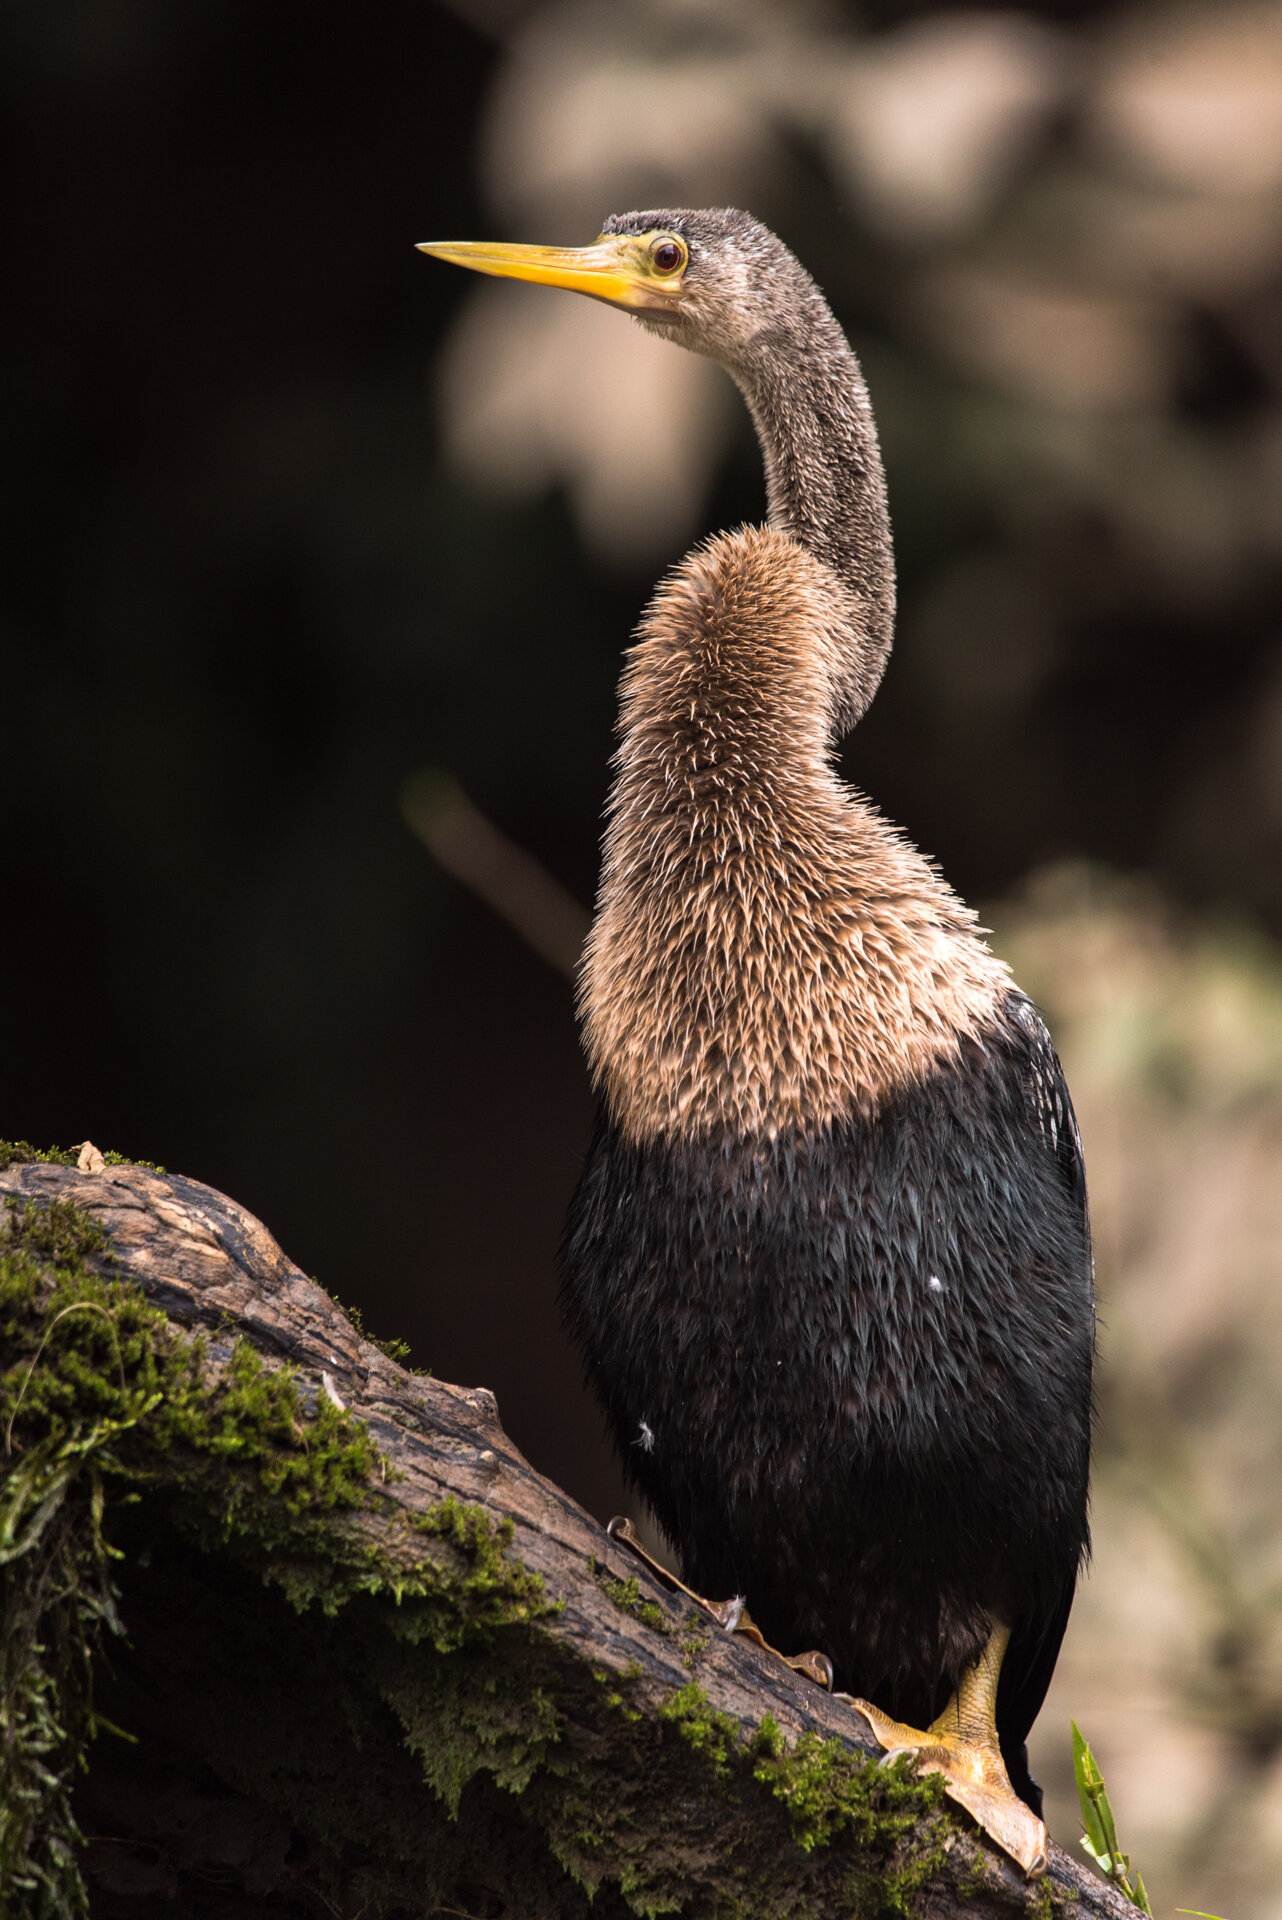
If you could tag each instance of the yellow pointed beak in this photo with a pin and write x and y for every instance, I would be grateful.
(615, 268)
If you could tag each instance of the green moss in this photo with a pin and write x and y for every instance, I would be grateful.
(101, 1399)
(1042, 1903)
(472, 1714)
(21, 1153)
(713, 1735)
(894, 1819)
(694, 1640)
(307, 1461)
(618, 1687)
(102, 1360)
(626, 1595)
(396, 1350)
(101, 1394)
(483, 1589)
(828, 1789)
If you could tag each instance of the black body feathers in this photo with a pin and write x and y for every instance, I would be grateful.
(850, 1371)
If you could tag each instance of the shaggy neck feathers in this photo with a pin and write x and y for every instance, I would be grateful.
(768, 952)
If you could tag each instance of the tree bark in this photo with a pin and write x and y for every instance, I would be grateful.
(303, 1750)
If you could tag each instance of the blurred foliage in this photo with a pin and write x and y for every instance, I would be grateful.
(1057, 245)
(1170, 1030)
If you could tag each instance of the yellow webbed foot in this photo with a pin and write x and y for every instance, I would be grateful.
(962, 1745)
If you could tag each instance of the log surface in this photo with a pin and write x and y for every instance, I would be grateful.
(211, 1266)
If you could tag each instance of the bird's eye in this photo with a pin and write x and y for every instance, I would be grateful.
(668, 255)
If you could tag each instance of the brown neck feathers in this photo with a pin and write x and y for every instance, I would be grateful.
(768, 952)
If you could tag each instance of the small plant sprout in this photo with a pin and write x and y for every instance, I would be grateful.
(1100, 1837)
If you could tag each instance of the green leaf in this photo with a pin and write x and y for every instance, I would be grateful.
(1087, 1776)
(1100, 1839)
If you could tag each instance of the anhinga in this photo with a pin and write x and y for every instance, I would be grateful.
(828, 1261)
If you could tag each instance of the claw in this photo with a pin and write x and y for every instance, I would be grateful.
(731, 1615)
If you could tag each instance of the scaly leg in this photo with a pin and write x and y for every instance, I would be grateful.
(962, 1745)
(733, 1615)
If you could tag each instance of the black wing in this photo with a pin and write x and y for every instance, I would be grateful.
(1035, 1641)
(1047, 1094)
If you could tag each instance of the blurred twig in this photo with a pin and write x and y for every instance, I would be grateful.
(1237, 1692)
(510, 880)
(1233, 1688)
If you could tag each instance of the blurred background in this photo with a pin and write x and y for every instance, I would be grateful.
(295, 517)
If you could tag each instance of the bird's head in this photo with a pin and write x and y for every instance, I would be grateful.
(715, 280)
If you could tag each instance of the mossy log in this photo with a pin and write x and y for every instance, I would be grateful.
(291, 1630)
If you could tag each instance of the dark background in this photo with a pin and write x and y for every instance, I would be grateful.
(244, 597)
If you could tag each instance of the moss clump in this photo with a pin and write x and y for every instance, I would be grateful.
(21, 1153)
(100, 1397)
(395, 1350)
(626, 1595)
(488, 1591)
(100, 1360)
(715, 1736)
(99, 1392)
(616, 1699)
(1044, 1904)
(475, 1713)
(694, 1640)
(831, 1791)
(57, 1596)
(828, 1789)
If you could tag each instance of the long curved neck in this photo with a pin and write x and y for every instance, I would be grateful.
(825, 482)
